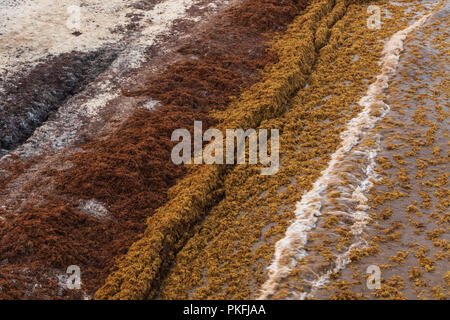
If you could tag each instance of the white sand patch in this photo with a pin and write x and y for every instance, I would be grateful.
(30, 29)
(93, 106)
(94, 208)
(150, 104)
